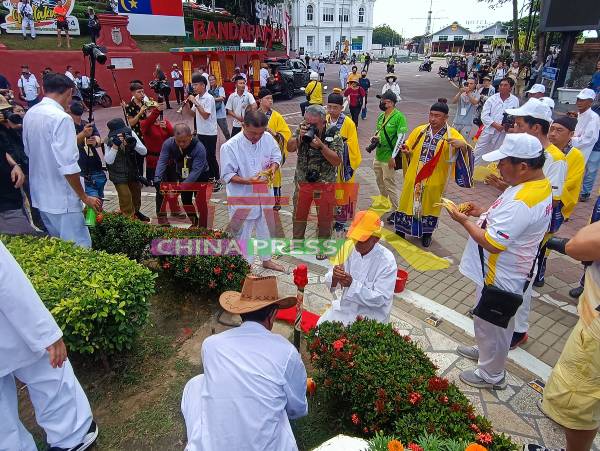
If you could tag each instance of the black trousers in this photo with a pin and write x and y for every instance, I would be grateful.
(179, 93)
(303, 106)
(166, 93)
(355, 113)
(210, 143)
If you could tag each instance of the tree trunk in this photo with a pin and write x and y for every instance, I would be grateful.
(516, 46)
(541, 46)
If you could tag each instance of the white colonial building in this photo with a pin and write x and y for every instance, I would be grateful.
(317, 26)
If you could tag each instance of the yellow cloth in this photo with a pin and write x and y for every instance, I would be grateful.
(278, 125)
(353, 77)
(350, 136)
(433, 186)
(573, 181)
(316, 98)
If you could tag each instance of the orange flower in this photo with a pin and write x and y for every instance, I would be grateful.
(395, 445)
(475, 447)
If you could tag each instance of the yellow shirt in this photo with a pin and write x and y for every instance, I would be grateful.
(316, 95)
(350, 135)
(354, 77)
(279, 126)
(573, 181)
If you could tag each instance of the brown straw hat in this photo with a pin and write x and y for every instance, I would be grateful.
(257, 293)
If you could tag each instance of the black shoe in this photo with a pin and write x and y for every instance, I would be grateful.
(583, 197)
(391, 219)
(518, 339)
(142, 217)
(576, 292)
(401, 234)
(276, 207)
(538, 283)
(426, 239)
(88, 440)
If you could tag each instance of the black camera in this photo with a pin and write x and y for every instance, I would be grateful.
(508, 121)
(93, 51)
(312, 176)
(374, 143)
(310, 134)
(130, 141)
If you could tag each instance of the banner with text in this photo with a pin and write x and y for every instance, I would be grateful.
(43, 17)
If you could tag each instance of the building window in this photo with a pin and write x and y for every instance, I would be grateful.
(458, 38)
(328, 13)
(309, 13)
(488, 37)
(310, 41)
(442, 38)
(344, 15)
(361, 15)
(327, 42)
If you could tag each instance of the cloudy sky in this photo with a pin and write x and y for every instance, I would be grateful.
(401, 14)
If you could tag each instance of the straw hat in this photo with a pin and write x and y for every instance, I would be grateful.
(257, 293)
(4, 105)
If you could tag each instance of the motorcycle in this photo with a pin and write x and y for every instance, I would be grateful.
(390, 68)
(443, 72)
(425, 66)
(100, 97)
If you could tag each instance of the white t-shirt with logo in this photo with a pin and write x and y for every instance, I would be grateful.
(177, 79)
(30, 87)
(555, 170)
(238, 104)
(516, 224)
(206, 126)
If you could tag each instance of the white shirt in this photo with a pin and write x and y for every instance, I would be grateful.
(25, 10)
(516, 224)
(264, 76)
(26, 326)
(394, 87)
(70, 75)
(371, 292)
(84, 82)
(51, 145)
(254, 382)
(240, 157)
(586, 132)
(111, 153)
(321, 67)
(206, 126)
(30, 86)
(555, 170)
(177, 80)
(205, 75)
(493, 109)
(238, 104)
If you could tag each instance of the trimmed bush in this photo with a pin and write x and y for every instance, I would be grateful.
(383, 383)
(100, 301)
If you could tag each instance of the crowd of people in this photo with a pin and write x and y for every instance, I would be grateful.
(53, 164)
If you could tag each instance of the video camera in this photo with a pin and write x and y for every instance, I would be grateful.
(373, 145)
(508, 121)
(93, 51)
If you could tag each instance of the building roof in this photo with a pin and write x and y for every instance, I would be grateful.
(496, 30)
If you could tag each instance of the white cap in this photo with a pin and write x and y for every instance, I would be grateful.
(534, 108)
(548, 102)
(587, 94)
(314, 76)
(537, 89)
(519, 145)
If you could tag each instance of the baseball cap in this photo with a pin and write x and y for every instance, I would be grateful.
(366, 224)
(518, 145)
(538, 88)
(388, 95)
(587, 94)
(534, 108)
(548, 102)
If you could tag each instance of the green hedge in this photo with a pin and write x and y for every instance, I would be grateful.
(100, 301)
(382, 383)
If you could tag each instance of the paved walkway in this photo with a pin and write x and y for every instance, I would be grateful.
(553, 312)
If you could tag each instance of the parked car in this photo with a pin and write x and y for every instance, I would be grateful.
(288, 75)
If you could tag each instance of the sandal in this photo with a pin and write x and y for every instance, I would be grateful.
(321, 257)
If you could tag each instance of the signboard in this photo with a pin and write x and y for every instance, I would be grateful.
(274, 14)
(43, 16)
(357, 43)
(122, 63)
(550, 73)
(229, 31)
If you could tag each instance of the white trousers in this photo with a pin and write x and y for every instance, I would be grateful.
(28, 23)
(61, 407)
(487, 142)
(191, 408)
(260, 228)
(493, 343)
(522, 316)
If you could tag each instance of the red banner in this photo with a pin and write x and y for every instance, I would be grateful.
(229, 31)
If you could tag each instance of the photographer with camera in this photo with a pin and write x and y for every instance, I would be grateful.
(161, 85)
(467, 100)
(391, 128)
(496, 123)
(320, 151)
(26, 11)
(122, 148)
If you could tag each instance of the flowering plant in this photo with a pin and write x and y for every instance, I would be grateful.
(301, 276)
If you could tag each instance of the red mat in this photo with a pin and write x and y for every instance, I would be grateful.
(309, 319)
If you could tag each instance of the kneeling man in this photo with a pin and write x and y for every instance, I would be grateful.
(367, 277)
(254, 381)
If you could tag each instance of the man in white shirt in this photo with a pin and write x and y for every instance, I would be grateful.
(33, 352)
(29, 87)
(368, 276)
(588, 123)
(250, 159)
(537, 91)
(264, 75)
(177, 77)
(69, 73)
(81, 81)
(492, 113)
(501, 250)
(55, 181)
(27, 21)
(238, 102)
(322, 70)
(254, 381)
(203, 105)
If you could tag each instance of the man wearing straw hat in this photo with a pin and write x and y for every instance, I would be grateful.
(254, 381)
(367, 277)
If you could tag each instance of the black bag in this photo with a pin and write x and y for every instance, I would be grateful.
(498, 306)
(398, 157)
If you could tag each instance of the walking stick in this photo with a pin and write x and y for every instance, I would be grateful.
(300, 280)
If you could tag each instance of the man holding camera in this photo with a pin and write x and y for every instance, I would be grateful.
(467, 100)
(27, 21)
(136, 112)
(495, 122)
(320, 151)
(123, 146)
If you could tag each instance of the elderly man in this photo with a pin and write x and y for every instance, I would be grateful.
(500, 254)
(254, 381)
(492, 116)
(320, 150)
(367, 277)
(588, 123)
(248, 160)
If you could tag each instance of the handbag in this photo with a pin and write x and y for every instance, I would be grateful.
(498, 306)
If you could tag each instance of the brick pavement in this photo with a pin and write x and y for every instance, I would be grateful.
(553, 312)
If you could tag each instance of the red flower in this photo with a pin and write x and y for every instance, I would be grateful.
(338, 345)
(232, 266)
(443, 399)
(230, 275)
(381, 393)
(407, 339)
(474, 428)
(186, 269)
(379, 406)
(484, 438)
(217, 270)
(414, 398)
(437, 384)
(360, 318)
(355, 419)
(327, 382)
(166, 265)
(314, 357)
(212, 284)
(366, 430)
(414, 447)
(301, 276)
(455, 407)
(471, 416)
(315, 344)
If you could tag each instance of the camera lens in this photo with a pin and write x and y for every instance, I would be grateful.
(309, 135)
